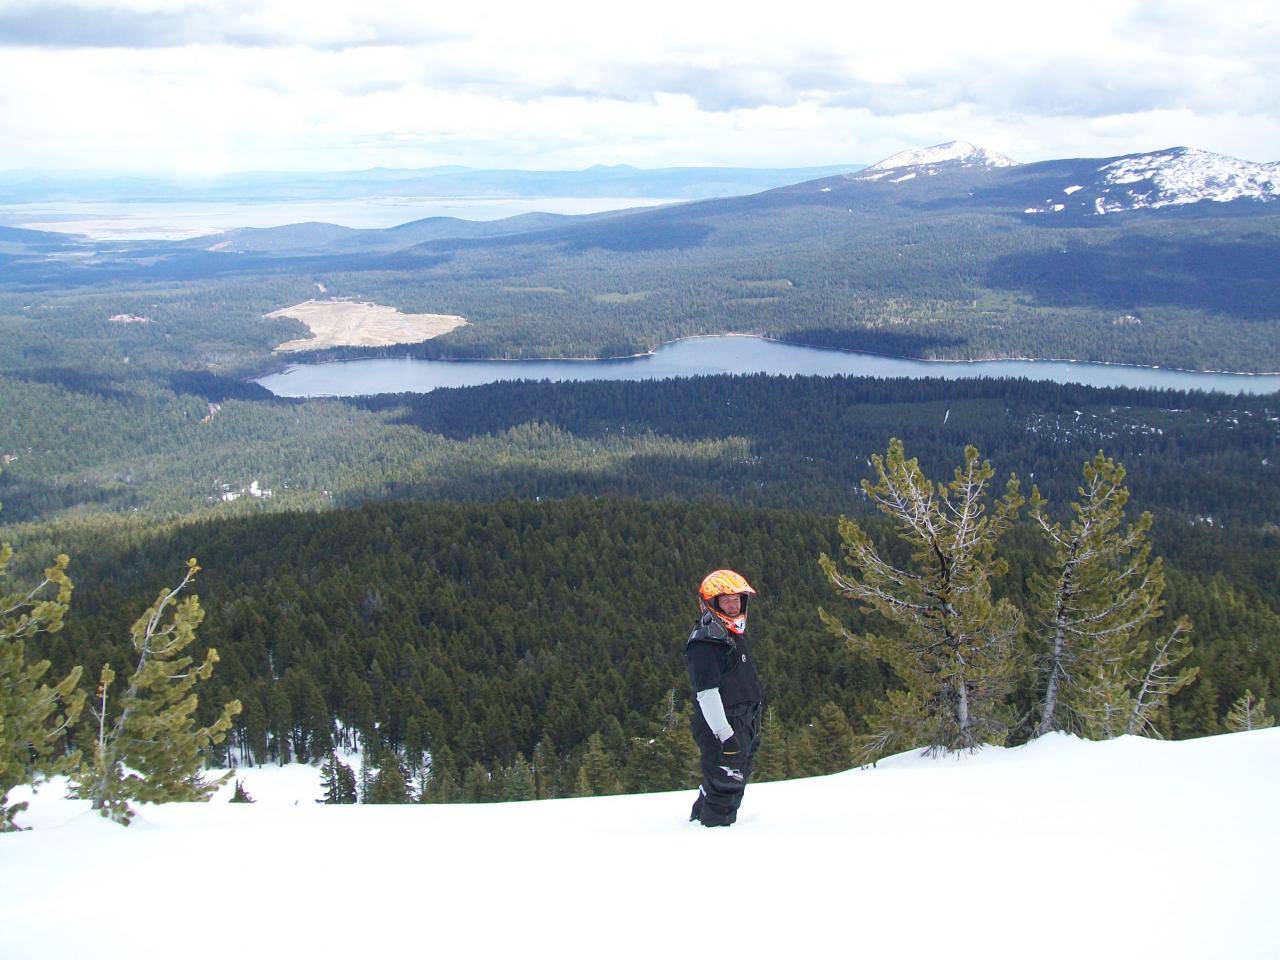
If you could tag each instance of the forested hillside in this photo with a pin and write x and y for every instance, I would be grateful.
(79, 445)
(482, 631)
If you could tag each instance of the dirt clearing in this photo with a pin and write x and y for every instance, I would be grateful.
(352, 323)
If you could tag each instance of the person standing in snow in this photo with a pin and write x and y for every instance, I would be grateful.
(726, 723)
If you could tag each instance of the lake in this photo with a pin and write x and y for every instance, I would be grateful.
(724, 354)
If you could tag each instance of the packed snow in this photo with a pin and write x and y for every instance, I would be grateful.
(1072, 189)
(957, 152)
(1062, 848)
(1183, 175)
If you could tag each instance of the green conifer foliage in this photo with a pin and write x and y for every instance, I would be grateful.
(546, 770)
(153, 751)
(598, 773)
(518, 783)
(1160, 681)
(390, 785)
(953, 646)
(771, 755)
(1100, 590)
(34, 716)
(241, 795)
(1248, 713)
(803, 759)
(442, 782)
(834, 739)
(477, 786)
(338, 780)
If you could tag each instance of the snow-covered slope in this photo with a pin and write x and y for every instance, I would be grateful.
(1164, 178)
(1062, 848)
(1183, 175)
(929, 160)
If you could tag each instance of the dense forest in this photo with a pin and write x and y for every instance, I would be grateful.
(82, 444)
(483, 631)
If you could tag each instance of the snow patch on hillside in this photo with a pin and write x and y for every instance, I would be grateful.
(956, 153)
(1130, 847)
(1184, 175)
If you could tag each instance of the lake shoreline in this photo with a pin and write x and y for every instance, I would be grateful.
(316, 361)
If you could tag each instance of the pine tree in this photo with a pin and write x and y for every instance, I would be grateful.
(518, 784)
(771, 757)
(1248, 713)
(241, 795)
(597, 771)
(546, 770)
(34, 716)
(477, 785)
(442, 784)
(803, 759)
(338, 780)
(952, 645)
(1101, 590)
(1160, 682)
(154, 736)
(366, 774)
(834, 739)
(390, 785)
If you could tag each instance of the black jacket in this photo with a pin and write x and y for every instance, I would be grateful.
(718, 658)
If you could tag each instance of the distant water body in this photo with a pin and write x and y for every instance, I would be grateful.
(725, 354)
(181, 220)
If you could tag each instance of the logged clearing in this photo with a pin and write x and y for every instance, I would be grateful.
(353, 323)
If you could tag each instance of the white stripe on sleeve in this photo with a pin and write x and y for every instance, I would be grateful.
(713, 712)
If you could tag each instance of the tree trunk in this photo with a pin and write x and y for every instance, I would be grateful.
(1055, 672)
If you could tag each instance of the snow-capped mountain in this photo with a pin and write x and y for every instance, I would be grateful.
(1185, 175)
(929, 160)
(1163, 178)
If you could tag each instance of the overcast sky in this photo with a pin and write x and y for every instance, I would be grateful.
(166, 85)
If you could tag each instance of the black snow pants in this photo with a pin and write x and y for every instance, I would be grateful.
(723, 783)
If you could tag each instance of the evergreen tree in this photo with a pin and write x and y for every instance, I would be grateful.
(771, 757)
(34, 716)
(241, 795)
(390, 785)
(1102, 588)
(366, 775)
(598, 772)
(338, 780)
(1248, 713)
(1160, 682)
(154, 736)
(803, 759)
(476, 785)
(546, 770)
(442, 783)
(952, 645)
(518, 784)
(834, 739)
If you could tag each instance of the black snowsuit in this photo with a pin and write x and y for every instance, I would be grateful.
(720, 659)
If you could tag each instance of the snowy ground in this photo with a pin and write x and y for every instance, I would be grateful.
(1062, 848)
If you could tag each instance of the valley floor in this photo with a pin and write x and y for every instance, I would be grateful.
(1063, 848)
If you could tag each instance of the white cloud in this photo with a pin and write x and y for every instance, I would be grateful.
(147, 84)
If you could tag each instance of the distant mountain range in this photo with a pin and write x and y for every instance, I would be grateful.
(1178, 175)
(671, 183)
(948, 176)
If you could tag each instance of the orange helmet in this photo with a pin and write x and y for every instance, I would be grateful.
(719, 583)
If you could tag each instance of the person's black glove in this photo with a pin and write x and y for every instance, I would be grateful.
(731, 751)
